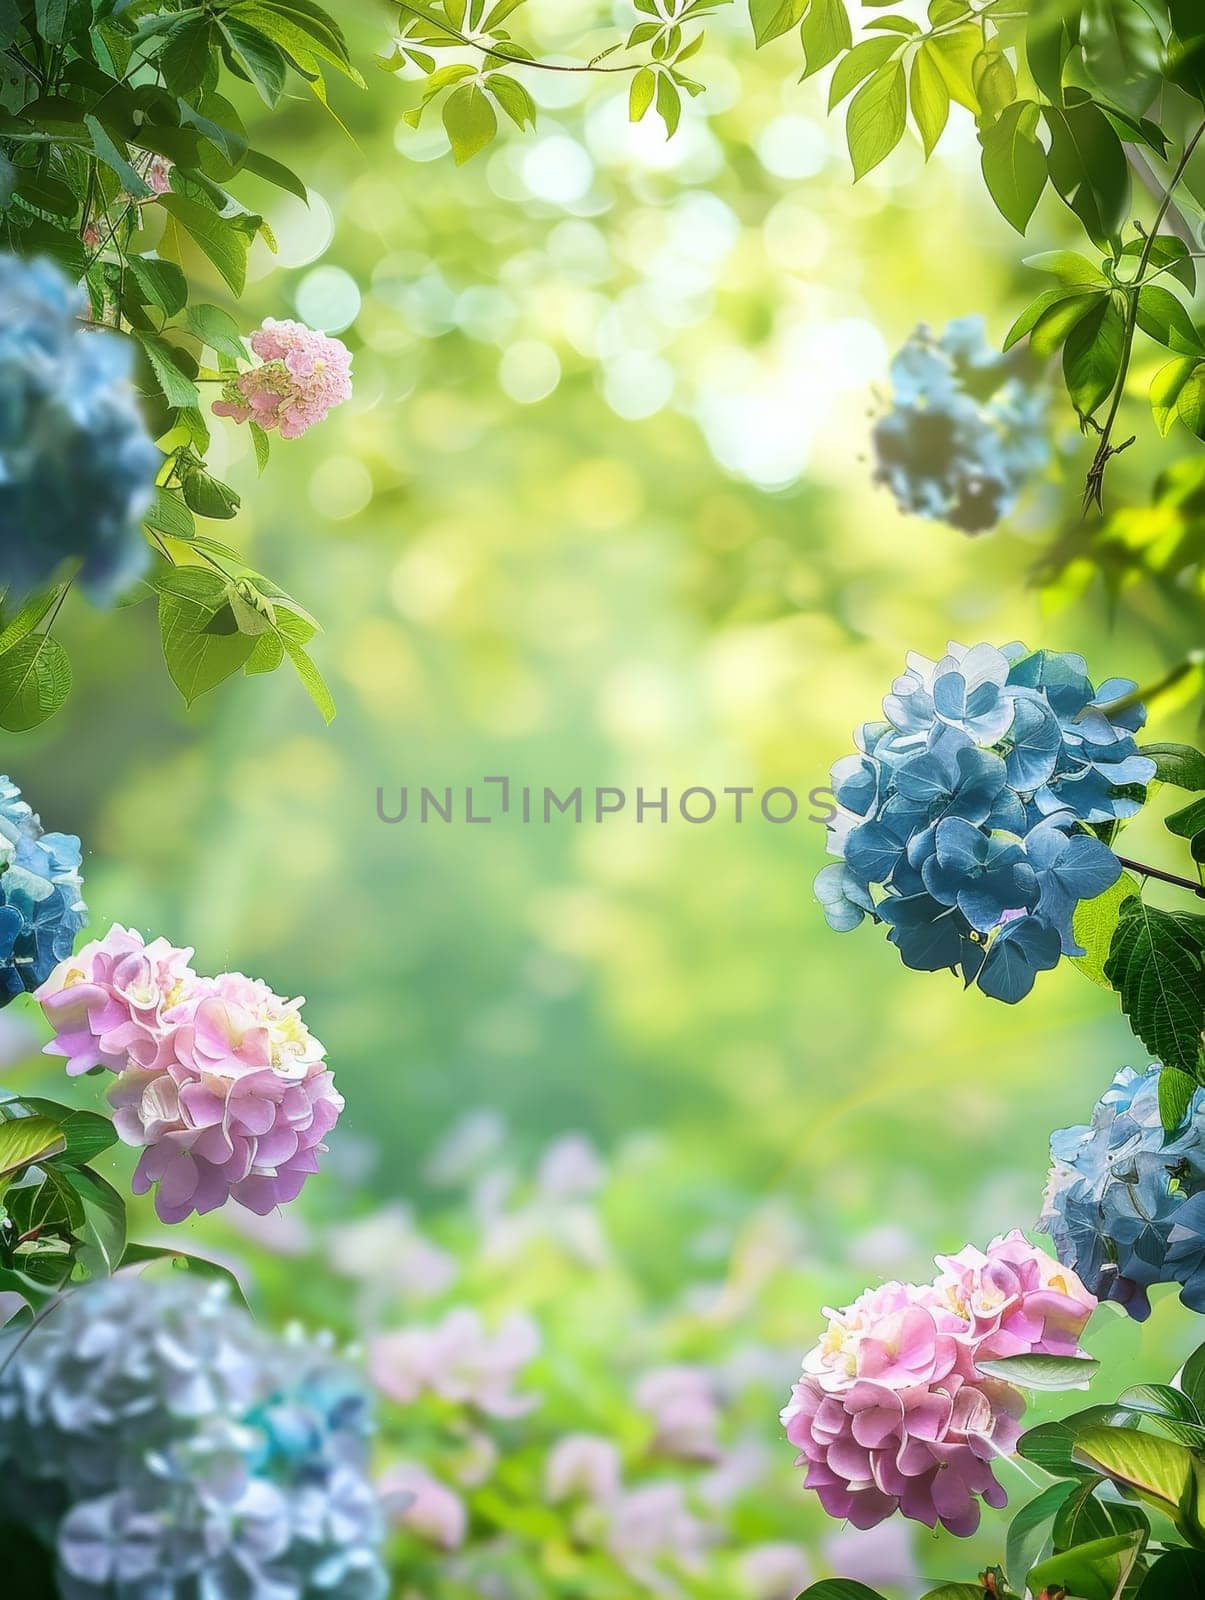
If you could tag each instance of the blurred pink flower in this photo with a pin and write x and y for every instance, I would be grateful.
(570, 1169)
(415, 1500)
(303, 374)
(653, 1533)
(459, 1360)
(775, 1571)
(387, 1249)
(583, 1466)
(881, 1557)
(892, 1412)
(112, 1002)
(684, 1408)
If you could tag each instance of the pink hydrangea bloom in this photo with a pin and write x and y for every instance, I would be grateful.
(892, 1412)
(302, 375)
(112, 1003)
(218, 1080)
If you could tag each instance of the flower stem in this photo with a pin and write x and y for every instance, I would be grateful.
(1106, 450)
(1164, 877)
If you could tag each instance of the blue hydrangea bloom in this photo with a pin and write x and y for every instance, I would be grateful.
(77, 467)
(965, 819)
(41, 909)
(965, 431)
(1125, 1201)
(166, 1448)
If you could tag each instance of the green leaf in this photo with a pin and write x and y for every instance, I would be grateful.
(1163, 318)
(24, 621)
(470, 121)
(1168, 1407)
(955, 54)
(168, 514)
(86, 1134)
(35, 681)
(930, 101)
(1093, 925)
(1088, 168)
(216, 329)
(198, 658)
(514, 98)
(1014, 163)
(103, 1239)
(117, 158)
(25, 1141)
(186, 55)
(1070, 268)
(1056, 323)
(669, 103)
(162, 282)
(1191, 1378)
(207, 496)
(1033, 314)
(225, 245)
(275, 172)
(150, 1257)
(1188, 821)
(1092, 355)
(640, 95)
(1156, 964)
(1167, 386)
(1094, 1571)
(1029, 1532)
(874, 124)
(1175, 1575)
(177, 387)
(861, 61)
(1081, 1518)
(826, 32)
(1179, 764)
(771, 18)
(1190, 403)
(302, 31)
(258, 56)
(1176, 1090)
(995, 83)
(1166, 253)
(293, 632)
(1043, 1372)
(1051, 1445)
(1164, 1474)
(262, 443)
(268, 654)
(840, 1589)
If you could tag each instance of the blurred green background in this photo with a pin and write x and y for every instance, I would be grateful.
(601, 512)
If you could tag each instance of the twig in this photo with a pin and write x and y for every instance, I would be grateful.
(1106, 450)
(1164, 877)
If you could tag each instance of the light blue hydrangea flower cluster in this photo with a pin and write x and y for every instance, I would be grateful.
(1125, 1201)
(165, 1448)
(965, 431)
(965, 819)
(41, 910)
(77, 467)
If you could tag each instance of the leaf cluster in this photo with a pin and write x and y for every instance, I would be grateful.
(98, 100)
